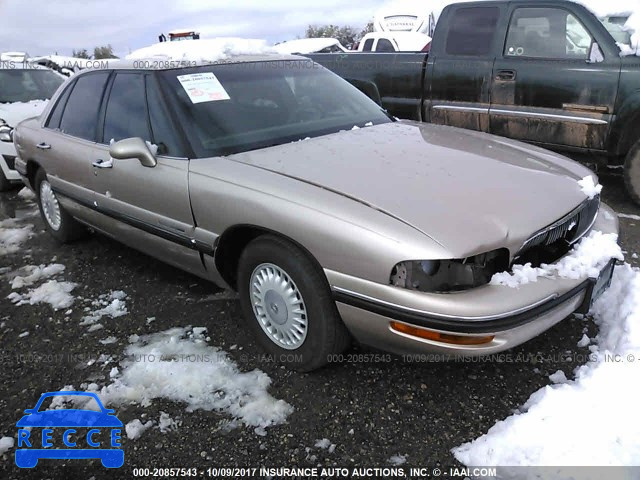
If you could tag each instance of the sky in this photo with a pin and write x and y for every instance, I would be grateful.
(42, 27)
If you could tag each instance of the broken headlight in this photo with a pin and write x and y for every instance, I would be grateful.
(443, 276)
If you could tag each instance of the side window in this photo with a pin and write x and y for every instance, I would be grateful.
(368, 45)
(56, 113)
(126, 114)
(80, 115)
(384, 45)
(161, 127)
(547, 33)
(472, 31)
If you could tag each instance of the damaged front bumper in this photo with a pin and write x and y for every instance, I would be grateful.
(481, 321)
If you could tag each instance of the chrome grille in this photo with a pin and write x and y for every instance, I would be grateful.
(570, 228)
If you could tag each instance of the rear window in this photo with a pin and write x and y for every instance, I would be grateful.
(233, 108)
(17, 85)
(384, 45)
(472, 31)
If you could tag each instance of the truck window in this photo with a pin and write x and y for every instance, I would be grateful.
(368, 45)
(472, 30)
(547, 33)
(384, 45)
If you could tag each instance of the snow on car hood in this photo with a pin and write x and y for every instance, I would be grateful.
(14, 113)
(471, 192)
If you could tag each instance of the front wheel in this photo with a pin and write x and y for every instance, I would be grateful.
(62, 226)
(632, 173)
(287, 304)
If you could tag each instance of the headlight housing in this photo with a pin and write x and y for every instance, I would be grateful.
(445, 276)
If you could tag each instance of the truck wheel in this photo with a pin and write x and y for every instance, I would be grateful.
(288, 306)
(632, 173)
(62, 226)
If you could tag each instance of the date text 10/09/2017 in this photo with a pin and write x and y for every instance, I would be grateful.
(317, 472)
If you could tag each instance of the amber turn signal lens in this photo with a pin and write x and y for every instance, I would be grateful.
(438, 336)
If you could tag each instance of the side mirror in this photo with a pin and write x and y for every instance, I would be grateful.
(6, 133)
(134, 147)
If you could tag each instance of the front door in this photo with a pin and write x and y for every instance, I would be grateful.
(150, 205)
(552, 84)
(460, 69)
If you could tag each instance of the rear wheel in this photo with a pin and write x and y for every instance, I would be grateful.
(62, 226)
(288, 306)
(632, 173)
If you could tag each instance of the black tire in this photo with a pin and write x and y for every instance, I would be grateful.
(325, 335)
(69, 228)
(632, 173)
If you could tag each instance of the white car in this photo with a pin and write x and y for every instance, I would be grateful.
(394, 42)
(25, 89)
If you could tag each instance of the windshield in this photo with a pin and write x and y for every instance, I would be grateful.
(26, 85)
(234, 108)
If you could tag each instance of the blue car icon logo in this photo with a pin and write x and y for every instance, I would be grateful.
(69, 433)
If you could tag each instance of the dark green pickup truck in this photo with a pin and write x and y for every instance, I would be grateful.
(545, 72)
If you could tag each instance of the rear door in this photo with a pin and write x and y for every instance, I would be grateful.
(460, 65)
(67, 144)
(552, 84)
(150, 206)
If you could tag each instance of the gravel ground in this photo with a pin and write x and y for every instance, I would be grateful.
(369, 411)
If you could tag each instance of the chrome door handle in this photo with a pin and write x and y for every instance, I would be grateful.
(43, 146)
(103, 163)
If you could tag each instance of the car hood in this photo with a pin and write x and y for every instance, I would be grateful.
(69, 418)
(14, 113)
(468, 191)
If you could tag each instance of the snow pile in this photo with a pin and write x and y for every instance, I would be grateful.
(113, 305)
(27, 194)
(178, 365)
(57, 294)
(5, 444)
(592, 420)
(397, 460)
(34, 274)
(136, 428)
(204, 51)
(586, 259)
(589, 187)
(12, 235)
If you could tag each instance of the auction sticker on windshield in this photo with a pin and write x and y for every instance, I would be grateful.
(203, 87)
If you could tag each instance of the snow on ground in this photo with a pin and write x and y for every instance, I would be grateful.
(591, 420)
(204, 50)
(33, 274)
(55, 293)
(12, 235)
(586, 259)
(325, 444)
(27, 194)
(113, 305)
(5, 444)
(397, 460)
(180, 366)
(136, 428)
